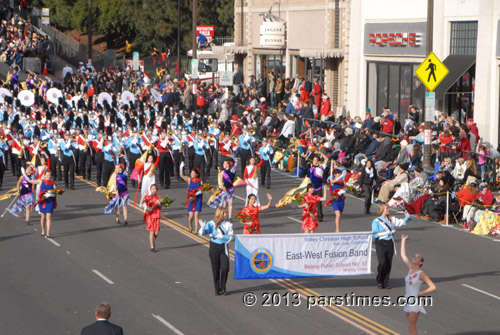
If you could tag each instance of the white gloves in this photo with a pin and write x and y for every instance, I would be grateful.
(341, 192)
(219, 235)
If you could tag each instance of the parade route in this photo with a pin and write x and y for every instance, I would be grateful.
(52, 285)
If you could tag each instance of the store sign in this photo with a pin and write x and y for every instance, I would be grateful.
(272, 34)
(400, 38)
(207, 31)
(225, 78)
(394, 39)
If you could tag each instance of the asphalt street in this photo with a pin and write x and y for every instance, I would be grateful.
(52, 286)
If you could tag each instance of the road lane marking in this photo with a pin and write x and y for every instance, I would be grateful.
(481, 291)
(238, 197)
(68, 252)
(53, 242)
(103, 277)
(294, 219)
(168, 324)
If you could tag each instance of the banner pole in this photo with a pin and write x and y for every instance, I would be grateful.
(447, 207)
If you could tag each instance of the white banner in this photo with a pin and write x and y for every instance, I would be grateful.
(225, 78)
(302, 255)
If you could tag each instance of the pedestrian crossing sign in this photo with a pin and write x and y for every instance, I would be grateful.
(431, 72)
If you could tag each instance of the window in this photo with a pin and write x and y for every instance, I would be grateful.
(394, 85)
(463, 38)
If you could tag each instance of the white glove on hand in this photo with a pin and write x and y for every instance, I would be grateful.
(219, 235)
(181, 168)
(341, 192)
(202, 227)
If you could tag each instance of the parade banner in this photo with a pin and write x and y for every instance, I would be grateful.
(302, 255)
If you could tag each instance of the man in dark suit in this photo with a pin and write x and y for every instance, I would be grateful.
(102, 326)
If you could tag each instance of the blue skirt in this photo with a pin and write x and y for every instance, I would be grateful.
(338, 205)
(197, 205)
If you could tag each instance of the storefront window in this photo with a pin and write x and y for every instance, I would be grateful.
(382, 87)
(394, 85)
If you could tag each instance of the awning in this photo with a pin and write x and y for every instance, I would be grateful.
(321, 53)
(458, 65)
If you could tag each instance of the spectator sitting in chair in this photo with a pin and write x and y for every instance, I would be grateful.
(390, 185)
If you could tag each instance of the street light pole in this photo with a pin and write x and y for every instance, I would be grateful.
(428, 123)
(89, 51)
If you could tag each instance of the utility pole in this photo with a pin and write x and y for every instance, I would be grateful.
(428, 123)
(178, 40)
(89, 51)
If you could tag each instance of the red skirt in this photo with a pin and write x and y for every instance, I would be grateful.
(153, 224)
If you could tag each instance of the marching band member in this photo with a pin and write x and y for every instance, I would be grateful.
(3, 162)
(55, 159)
(190, 138)
(245, 148)
(220, 231)
(166, 159)
(25, 191)
(98, 146)
(199, 157)
(194, 207)
(251, 178)
(68, 160)
(226, 145)
(152, 216)
(310, 211)
(110, 159)
(85, 149)
(121, 198)
(177, 150)
(315, 173)
(253, 210)
(18, 153)
(46, 204)
(265, 152)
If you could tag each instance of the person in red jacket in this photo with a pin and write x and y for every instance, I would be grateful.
(326, 107)
(471, 125)
(316, 93)
(463, 145)
(387, 125)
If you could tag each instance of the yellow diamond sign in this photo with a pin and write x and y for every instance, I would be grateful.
(431, 72)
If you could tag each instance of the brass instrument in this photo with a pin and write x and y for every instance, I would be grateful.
(73, 137)
(43, 144)
(150, 150)
(141, 132)
(234, 138)
(251, 131)
(170, 134)
(3, 138)
(21, 154)
(86, 146)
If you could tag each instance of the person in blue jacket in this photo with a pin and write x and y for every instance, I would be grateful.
(383, 232)
(220, 231)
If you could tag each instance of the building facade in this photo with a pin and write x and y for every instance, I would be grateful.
(392, 37)
(314, 43)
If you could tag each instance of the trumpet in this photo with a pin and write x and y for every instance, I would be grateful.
(170, 134)
(3, 138)
(73, 137)
(43, 144)
(251, 131)
(141, 132)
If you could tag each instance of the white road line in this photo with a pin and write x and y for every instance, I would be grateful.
(103, 277)
(68, 252)
(53, 242)
(373, 249)
(294, 219)
(481, 291)
(238, 197)
(168, 324)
